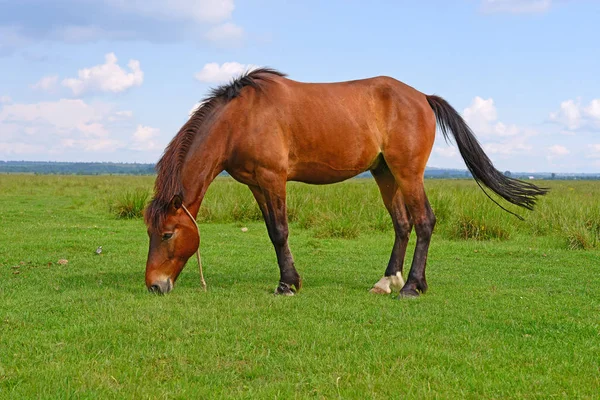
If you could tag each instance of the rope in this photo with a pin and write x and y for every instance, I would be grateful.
(202, 281)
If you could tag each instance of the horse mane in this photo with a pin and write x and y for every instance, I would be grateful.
(168, 180)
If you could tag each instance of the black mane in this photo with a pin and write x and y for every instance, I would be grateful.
(168, 181)
(252, 78)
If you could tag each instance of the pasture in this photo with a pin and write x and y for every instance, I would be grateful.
(512, 309)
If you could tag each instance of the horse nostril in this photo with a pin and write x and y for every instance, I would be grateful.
(154, 289)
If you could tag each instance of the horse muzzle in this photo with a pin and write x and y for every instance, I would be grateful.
(161, 287)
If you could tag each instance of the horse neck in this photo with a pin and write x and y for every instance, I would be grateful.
(202, 165)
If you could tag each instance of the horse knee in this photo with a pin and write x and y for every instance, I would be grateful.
(279, 236)
(403, 229)
(424, 228)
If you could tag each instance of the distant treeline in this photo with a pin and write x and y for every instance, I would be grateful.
(110, 168)
(75, 168)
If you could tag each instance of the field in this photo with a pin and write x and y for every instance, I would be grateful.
(512, 310)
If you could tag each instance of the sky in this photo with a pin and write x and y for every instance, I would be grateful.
(114, 80)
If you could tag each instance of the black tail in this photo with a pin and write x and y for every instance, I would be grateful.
(513, 190)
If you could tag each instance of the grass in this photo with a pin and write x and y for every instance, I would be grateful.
(130, 204)
(509, 317)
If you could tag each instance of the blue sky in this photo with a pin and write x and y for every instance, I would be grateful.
(113, 80)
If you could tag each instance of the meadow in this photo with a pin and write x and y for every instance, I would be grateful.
(512, 310)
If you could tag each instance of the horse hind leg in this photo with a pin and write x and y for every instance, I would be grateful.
(394, 203)
(272, 202)
(423, 218)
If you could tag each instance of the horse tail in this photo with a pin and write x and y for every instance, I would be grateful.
(515, 191)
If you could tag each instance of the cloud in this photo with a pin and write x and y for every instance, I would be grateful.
(70, 125)
(482, 117)
(448, 152)
(226, 35)
(195, 108)
(47, 83)
(65, 115)
(107, 77)
(93, 145)
(516, 6)
(19, 149)
(496, 137)
(593, 110)
(594, 151)
(5, 99)
(127, 114)
(569, 115)
(150, 20)
(573, 116)
(215, 73)
(144, 138)
(508, 148)
(557, 151)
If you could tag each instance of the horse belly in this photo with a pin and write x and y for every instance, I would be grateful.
(332, 160)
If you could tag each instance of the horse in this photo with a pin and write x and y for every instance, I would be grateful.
(265, 129)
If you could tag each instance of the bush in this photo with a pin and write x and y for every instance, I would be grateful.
(466, 227)
(580, 238)
(130, 204)
(336, 228)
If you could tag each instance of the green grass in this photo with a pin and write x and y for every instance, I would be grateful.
(130, 204)
(506, 317)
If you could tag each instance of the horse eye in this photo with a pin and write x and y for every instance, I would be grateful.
(167, 236)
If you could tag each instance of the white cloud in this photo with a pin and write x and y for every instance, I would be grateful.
(93, 145)
(569, 114)
(594, 151)
(5, 99)
(47, 83)
(126, 114)
(64, 115)
(73, 129)
(496, 137)
(516, 6)
(482, 117)
(448, 151)
(20, 149)
(144, 138)
(573, 116)
(593, 110)
(56, 127)
(557, 151)
(121, 116)
(215, 73)
(226, 35)
(195, 108)
(508, 148)
(107, 77)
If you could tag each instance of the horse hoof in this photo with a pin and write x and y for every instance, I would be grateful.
(408, 294)
(284, 290)
(379, 290)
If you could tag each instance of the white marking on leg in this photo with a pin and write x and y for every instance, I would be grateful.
(397, 281)
(388, 283)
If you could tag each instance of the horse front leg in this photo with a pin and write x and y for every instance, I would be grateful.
(271, 199)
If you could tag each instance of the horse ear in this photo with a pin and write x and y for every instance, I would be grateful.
(176, 202)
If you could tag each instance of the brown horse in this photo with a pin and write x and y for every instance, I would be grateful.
(265, 130)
